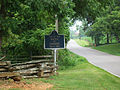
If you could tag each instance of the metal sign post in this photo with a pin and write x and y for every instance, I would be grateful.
(55, 50)
(55, 59)
(54, 41)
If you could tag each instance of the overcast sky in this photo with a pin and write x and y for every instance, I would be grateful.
(73, 27)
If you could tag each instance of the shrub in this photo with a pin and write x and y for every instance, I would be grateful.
(68, 59)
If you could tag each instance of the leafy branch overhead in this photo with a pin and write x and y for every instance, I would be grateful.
(25, 22)
(107, 25)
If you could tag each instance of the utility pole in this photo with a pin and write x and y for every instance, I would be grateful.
(55, 50)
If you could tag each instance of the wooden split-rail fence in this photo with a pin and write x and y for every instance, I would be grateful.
(37, 66)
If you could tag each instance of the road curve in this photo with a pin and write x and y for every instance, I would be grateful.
(108, 62)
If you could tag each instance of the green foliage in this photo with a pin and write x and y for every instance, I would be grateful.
(14, 89)
(90, 9)
(110, 48)
(67, 60)
(106, 25)
(95, 35)
(84, 41)
(25, 22)
(64, 61)
(87, 39)
(30, 41)
(64, 29)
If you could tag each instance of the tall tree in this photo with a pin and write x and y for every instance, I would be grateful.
(23, 20)
(90, 9)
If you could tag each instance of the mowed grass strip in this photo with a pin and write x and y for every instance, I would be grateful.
(82, 42)
(83, 76)
(110, 48)
(113, 49)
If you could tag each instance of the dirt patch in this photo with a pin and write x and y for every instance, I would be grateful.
(6, 85)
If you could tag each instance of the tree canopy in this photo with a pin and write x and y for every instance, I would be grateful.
(25, 22)
(107, 24)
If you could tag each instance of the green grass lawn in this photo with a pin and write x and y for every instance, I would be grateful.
(110, 48)
(82, 42)
(83, 76)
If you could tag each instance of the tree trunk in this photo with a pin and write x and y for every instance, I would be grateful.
(108, 38)
(3, 14)
(0, 38)
(2, 9)
(117, 38)
(97, 41)
(111, 37)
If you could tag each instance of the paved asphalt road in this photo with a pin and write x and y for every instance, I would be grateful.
(100, 59)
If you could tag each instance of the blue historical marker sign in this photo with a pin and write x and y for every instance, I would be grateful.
(54, 41)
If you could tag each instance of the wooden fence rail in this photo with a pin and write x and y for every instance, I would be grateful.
(42, 66)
